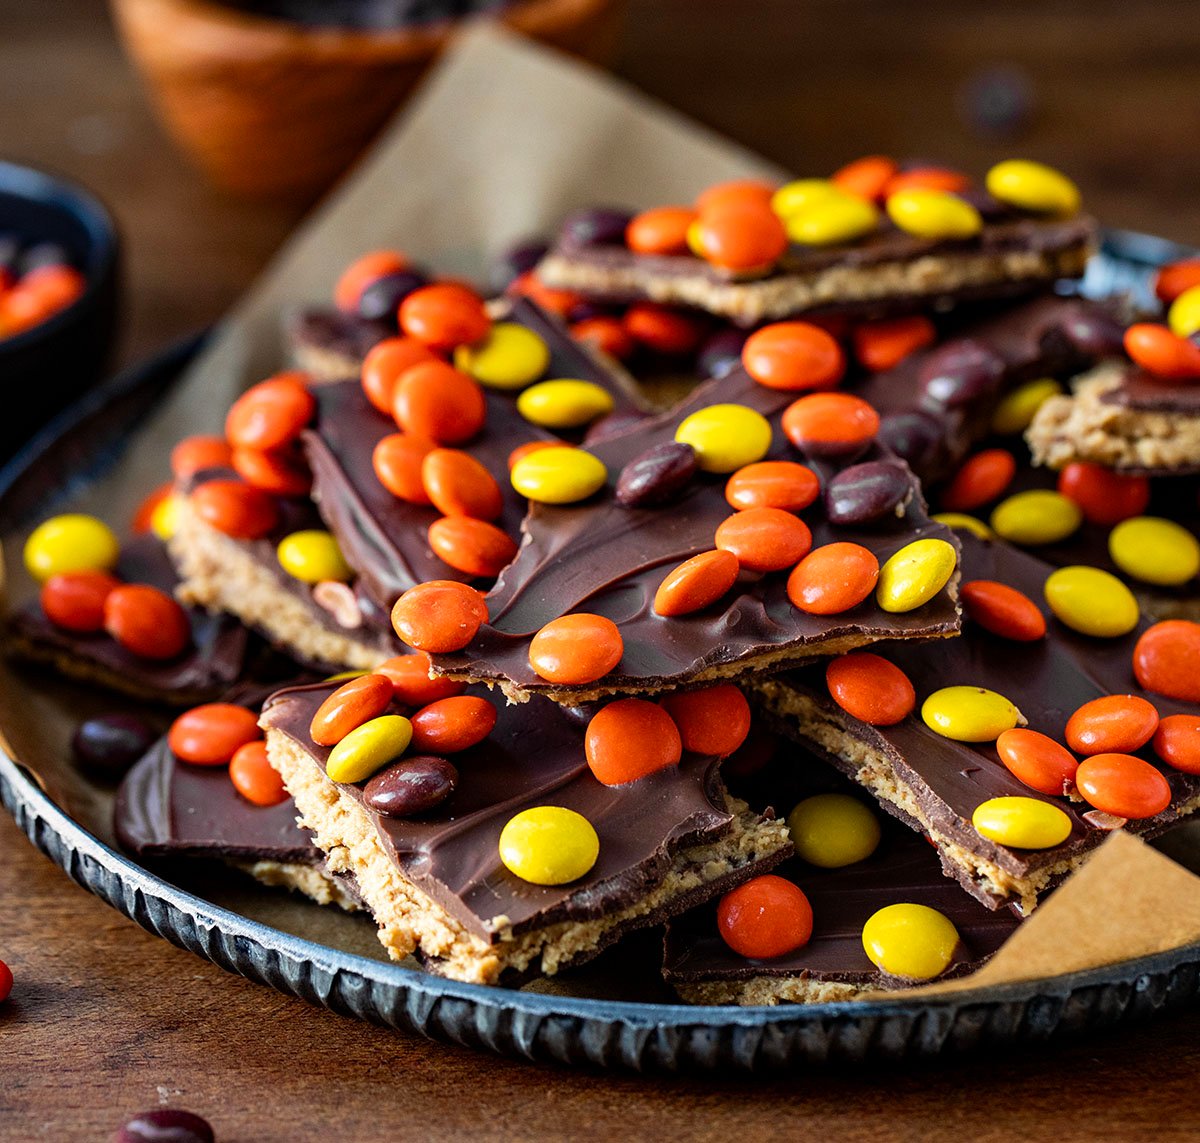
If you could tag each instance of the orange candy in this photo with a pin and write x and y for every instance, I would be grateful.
(444, 316)
(754, 192)
(696, 583)
(928, 178)
(575, 649)
(561, 302)
(980, 479)
(1003, 610)
(438, 402)
(764, 918)
(793, 355)
(450, 725)
(254, 777)
(456, 484)
(1117, 724)
(409, 675)
(629, 739)
(235, 508)
(1174, 279)
(398, 460)
(439, 616)
(281, 472)
(384, 364)
(869, 688)
(740, 236)
(607, 334)
(522, 451)
(193, 454)
(662, 230)
(1103, 496)
(364, 270)
(211, 734)
(881, 345)
(471, 546)
(55, 287)
(867, 177)
(663, 329)
(1166, 659)
(830, 424)
(143, 518)
(773, 484)
(1177, 742)
(765, 539)
(1037, 760)
(715, 720)
(833, 578)
(270, 414)
(352, 704)
(1122, 785)
(1159, 351)
(147, 622)
(74, 600)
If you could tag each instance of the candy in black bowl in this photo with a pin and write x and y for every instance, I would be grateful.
(47, 223)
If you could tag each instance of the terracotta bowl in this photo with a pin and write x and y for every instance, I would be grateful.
(275, 109)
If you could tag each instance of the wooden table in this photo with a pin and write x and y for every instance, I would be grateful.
(106, 1019)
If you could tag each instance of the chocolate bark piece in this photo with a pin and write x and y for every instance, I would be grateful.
(168, 809)
(436, 885)
(886, 272)
(212, 662)
(243, 578)
(600, 556)
(384, 538)
(1123, 418)
(330, 345)
(934, 783)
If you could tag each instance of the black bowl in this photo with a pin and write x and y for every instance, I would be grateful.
(45, 368)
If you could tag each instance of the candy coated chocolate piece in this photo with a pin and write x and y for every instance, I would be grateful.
(107, 746)
(961, 372)
(165, 1125)
(411, 786)
(594, 226)
(864, 492)
(381, 300)
(657, 476)
(721, 353)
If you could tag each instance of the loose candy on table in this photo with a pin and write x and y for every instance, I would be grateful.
(452, 725)
(630, 739)
(549, 845)
(576, 649)
(1091, 601)
(916, 573)
(1112, 724)
(109, 744)
(564, 404)
(1123, 785)
(793, 355)
(1155, 550)
(165, 1125)
(969, 714)
(439, 616)
(71, 542)
(764, 539)
(1021, 823)
(147, 622)
(210, 734)
(1104, 497)
(312, 556)
(368, 748)
(509, 357)
(1038, 760)
(766, 917)
(714, 720)
(1037, 516)
(870, 688)
(696, 583)
(725, 437)
(1166, 659)
(357, 701)
(909, 941)
(558, 475)
(833, 830)
(773, 484)
(658, 476)
(413, 785)
(254, 777)
(1002, 610)
(833, 578)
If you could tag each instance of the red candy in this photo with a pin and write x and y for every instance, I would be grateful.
(1104, 496)
(271, 414)
(662, 329)
(1166, 659)
(1117, 724)
(881, 345)
(192, 454)
(981, 478)
(398, 460)
(576, 649)
(254, 777)
(830, 424)
(561, 302)
(767, 917)
(435, 401)
(147, 622)
(869, 688)
(364, 270)
(439, 616)
(1003, 610)
(773, 484)
(793, 355)
(607, 334)
(384, 365)
(458, 485)
(444, 316)
(409, 675)
(352, 704)
(471, 546)
(1037, 760)
(1177, 742)
(867, 177)
(1169, 357)
(740, 236)
(211, 734)
(662, 230)
(715, 720)
(451, 725)
(765, 539)
(1122, 785)
(235, 508)
(696, 583)
(833, 578)
(75, 600)
(629, 739)
(1174, 279)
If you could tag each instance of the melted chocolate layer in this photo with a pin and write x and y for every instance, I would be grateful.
(331, 331)
(1142, 392)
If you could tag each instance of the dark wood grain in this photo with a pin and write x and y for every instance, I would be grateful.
(106, 1019)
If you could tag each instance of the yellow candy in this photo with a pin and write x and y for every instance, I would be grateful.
(830, 221)
(832, 830)
(74, 542)
(564, 404)
(1091, 601)
(793, 197)
(910, 941)
(558, 475)
(1033, 186)
(725, 437)
(549, 845)
(1184, 315)
(368, 748)
(510, 357)
(1021, 823)
(313, 556)
(1017, 409)
(342, 676)
(967, 523)
(694, 242)
(933, 214)
(915, 574)
(1038, 516)
(1155, 550)
(165, 517)
(969, 714)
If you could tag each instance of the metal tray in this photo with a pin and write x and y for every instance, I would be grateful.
(335, 962)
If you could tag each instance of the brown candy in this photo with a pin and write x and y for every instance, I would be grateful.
(411, 786)
(656, 477)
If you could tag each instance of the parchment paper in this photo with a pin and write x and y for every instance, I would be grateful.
(504, 138)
